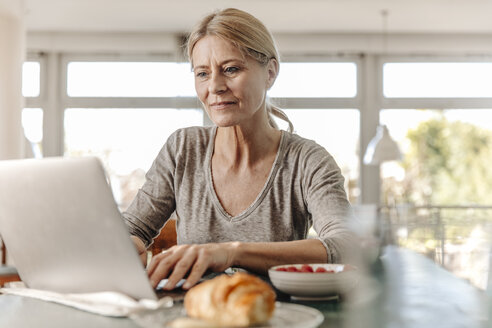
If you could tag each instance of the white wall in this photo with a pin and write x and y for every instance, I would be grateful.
(12, 54)
(289, 44)
(93, 43)
(394, 44)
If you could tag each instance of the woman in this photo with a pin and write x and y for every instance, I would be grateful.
(245, 193)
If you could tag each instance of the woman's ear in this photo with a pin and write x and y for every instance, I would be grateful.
(272, 69)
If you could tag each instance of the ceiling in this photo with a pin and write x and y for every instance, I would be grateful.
(281, 16)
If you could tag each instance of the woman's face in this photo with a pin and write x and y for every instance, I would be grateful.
(231, 87)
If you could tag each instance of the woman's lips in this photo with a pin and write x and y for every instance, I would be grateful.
(222, 104)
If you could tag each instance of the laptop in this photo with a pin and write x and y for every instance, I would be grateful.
(63, 229)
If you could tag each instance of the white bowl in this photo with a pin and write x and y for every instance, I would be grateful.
(341, 279)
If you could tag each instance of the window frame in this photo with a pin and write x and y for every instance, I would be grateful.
(37, 102)
(433, 102)
(369, 99)
(121, 102)
(54, 101)
(322, 102)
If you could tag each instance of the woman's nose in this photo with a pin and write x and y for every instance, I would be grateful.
(217, 84)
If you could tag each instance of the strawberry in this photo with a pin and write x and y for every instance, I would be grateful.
(306, 268)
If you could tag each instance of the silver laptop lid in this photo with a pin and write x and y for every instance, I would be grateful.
(63, 229)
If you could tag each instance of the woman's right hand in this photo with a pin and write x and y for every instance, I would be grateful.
(190, 262)
(142, 251)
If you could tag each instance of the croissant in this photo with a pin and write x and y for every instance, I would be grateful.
(240, 300)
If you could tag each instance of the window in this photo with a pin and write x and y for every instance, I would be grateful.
(126, 140)
(32, 123)
(444, 152)
(440, 80)
(31, 78)
(316, 80)
(129, 79)
(32, 118)
(445, 173)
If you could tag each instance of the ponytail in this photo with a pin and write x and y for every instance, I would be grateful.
(275, 111)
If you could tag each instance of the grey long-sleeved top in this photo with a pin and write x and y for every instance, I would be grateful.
(304, 188)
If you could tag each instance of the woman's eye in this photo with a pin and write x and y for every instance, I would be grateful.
(200, 74)
(231, 69)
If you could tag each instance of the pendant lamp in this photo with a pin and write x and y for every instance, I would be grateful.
(382, 148)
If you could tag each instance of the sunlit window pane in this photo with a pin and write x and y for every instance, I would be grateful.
(126, 140)
(402, 121)
(316, 80)
(444, 80)
(337, 130)
(440, 147)
(31, 79)
(129, 79)
(32, 123)
(445, 171)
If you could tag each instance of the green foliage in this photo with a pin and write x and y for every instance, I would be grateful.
(448, 164)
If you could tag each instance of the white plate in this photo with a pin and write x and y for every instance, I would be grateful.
(295, 315)
(311, 284)
(286, 315)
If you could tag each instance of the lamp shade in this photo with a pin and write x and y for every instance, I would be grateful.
(382, 148)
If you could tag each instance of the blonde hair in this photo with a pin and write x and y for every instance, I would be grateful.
(249, 35)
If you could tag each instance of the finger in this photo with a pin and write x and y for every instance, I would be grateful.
(161, 271)
(197, 272)
(180, 269)
(154, 262)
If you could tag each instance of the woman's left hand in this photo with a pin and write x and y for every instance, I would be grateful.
(193, 260)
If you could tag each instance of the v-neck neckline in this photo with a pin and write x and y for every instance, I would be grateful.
(261, 194)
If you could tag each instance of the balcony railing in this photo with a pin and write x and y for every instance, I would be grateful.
(456, 237)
